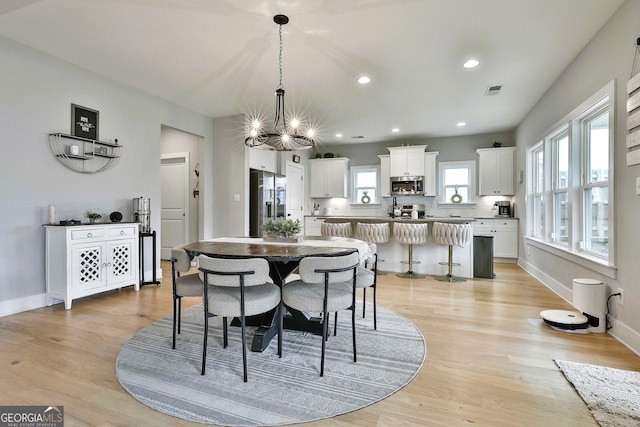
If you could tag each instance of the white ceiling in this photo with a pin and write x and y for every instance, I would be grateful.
(220, 57)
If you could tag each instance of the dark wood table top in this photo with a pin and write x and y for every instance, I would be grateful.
(270, 252)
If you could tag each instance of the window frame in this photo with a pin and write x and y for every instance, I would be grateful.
(354, 185)
(442, 185)
(574, 125)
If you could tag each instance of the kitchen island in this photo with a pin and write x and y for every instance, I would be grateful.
(390, 254)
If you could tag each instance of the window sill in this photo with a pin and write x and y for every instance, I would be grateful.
(457, 205)
(593, 263)
(364, 205)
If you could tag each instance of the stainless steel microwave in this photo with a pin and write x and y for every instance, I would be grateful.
(407, 185)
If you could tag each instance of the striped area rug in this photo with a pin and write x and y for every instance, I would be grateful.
(280, 391)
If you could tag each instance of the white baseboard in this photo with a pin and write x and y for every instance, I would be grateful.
(32, 302)
(620, 331)
(22, 304)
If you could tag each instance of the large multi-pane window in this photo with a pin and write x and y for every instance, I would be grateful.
(569, 186)
(596, 189)
(537, 190)
(560, 183)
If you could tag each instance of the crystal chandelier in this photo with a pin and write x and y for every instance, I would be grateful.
(283, 136)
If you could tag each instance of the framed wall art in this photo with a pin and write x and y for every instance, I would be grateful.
(84, 122)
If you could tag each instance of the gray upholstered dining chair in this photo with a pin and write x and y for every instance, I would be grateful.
(188, 285)
(237, 288)
(326, 284)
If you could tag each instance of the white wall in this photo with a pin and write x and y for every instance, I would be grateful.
(608, 56)
(37, 92)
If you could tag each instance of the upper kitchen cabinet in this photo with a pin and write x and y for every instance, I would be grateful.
(430, 173)
(495, 171)
(385, 183)
(329, 177)
(406, 161)
(264, 160)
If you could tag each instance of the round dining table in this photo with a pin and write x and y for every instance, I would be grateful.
(283, 259)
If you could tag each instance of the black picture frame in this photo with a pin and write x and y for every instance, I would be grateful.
(84, 122)
(296, 158)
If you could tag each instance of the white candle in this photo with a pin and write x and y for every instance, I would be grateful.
(74, 150)
(52, 214)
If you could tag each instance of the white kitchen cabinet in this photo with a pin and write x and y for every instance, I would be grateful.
(504, 232)
(83, 260)
(313, 226)
(385, 182)
(495, 171)
(406, 161)
(264, 160)
(430, 173)
(329, 177)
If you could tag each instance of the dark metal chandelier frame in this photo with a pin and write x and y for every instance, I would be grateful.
(281, 137)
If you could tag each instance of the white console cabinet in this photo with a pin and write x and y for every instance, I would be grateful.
(83, 260)
(313, 226)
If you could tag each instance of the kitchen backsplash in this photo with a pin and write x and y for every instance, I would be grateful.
(484, 207)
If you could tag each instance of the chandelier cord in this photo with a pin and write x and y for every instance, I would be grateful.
(280, 58)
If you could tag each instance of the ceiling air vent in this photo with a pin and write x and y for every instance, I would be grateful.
(493, 90)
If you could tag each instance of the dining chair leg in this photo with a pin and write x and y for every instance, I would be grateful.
(206, 329)
(325, 333)
(375, 303)
(353, 323)
(244, 350)
(225, 340)
(280, 326)
(364, 301)
(174, 322)
(179, 314)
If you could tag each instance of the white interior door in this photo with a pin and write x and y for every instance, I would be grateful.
(174, 214)
(295, 191)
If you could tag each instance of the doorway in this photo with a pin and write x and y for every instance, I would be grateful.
(174, 210)
(295, 191)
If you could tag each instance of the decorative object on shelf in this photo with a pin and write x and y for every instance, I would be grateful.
(70, 222)
(365, 197)
(52, 214)
(497, 144)
(282, 230)
(196, 189)
(93, 215)
(282, 137)
(115, 216)
(633, 111)
(84, 155)
(456, 198)
(84, 122)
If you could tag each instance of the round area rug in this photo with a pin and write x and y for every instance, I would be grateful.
(280, 391)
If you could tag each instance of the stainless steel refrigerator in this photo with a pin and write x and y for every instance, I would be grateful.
(267, 197)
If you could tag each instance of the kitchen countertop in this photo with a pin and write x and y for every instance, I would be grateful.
(453, 219)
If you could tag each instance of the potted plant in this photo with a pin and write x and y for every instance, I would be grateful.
(93, 215)
(282, 229)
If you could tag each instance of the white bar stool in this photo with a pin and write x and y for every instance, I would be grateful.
(336, 229)
(373, 233)
(450, 234)
(410, 234)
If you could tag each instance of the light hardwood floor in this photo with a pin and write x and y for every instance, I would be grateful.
(489, 361)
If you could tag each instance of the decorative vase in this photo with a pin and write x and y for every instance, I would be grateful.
(365, 198)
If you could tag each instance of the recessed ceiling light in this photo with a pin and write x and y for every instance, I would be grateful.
(364, 80)
(471, 63)
(461, 124)
(395, 130)
(338, 135)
